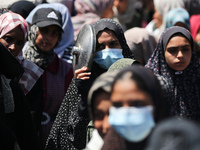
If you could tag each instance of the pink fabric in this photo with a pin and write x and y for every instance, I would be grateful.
(194, 25)
(9, 21)
(95, 6)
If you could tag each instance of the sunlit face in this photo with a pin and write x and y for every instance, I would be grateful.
(121, 5)
(126, 93)
(14, 40)
(47, 37)
(157, 18)
(101, 112)
(178, 53)
(107, 39)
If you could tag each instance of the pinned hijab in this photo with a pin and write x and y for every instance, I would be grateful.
(184, 85)
(9, 21)
(112, 25)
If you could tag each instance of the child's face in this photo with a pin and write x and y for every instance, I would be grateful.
(178, 53)
(14, 41)
(47, 37)
(101, 111)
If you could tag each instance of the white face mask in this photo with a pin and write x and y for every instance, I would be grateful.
(132, 123)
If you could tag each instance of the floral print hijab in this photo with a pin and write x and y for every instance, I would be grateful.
(184, 85)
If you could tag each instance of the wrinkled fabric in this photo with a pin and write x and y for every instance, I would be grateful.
(9, 21)
(88, 12)
(142, 45)
(64, 48)
(70, 127)
(35, 55)
(184, 96)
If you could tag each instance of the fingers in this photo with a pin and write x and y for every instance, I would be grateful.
(81, 74)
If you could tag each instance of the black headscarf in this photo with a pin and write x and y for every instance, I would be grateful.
(184, 100)
(112, 25)
(69, 128)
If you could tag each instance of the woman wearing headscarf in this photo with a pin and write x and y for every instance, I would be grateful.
(137, 105)
(88, 12)
(175, 61)
(162, 7)
(13, 31)
(69, 129)
(64, 48)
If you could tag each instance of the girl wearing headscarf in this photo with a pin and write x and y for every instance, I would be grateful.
(195, 27)
(69, 129)
(162, 7)
(64, 48)
(137, 105)
(88, 12)
(175, 61)
(45, 33)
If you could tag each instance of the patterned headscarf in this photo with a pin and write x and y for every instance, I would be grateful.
(9, 21)
(185, 85)
(195, 25)
(34, 54)
(177, 15)
(112, 25)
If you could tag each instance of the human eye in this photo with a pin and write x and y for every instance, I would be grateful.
(8, 39)
(117, 104)
(43, 30)
(100, 47)
(114, 44)
(172, 50)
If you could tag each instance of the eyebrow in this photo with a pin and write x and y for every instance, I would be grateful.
(186, 45)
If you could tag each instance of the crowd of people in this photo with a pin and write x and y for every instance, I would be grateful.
(140, 90)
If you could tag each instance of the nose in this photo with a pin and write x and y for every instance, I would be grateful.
(12, 47)
(105, 125)
(180, 54)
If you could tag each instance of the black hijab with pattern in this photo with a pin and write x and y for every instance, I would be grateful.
(184, 85)
(70, 127)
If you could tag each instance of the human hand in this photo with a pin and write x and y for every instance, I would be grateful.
(81, 74)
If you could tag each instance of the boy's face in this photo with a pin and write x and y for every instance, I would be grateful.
(47, 37)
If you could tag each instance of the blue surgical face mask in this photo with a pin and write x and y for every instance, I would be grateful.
(132, 123)
(106, 57)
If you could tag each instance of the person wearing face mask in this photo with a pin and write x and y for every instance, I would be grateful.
(73, 118)
(137, 105)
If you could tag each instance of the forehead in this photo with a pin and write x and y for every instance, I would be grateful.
(17, 31)
(178, 40)
(106, 32)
